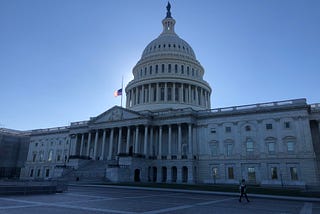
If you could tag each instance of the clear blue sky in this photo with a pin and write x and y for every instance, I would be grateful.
(60, 61)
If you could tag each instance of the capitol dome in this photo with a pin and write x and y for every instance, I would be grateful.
(168, 75)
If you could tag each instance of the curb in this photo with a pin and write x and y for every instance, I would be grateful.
(291, 198)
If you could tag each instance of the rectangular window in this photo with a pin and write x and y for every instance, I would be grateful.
(38, 174)
(290, 146)
(31, 173)
(176, 93)
(229, 149)
(169, 68)
(268, 126)
(214, 149)
(213, 130)
(169, 94)
(251, 174)
(154, 93)
(162, 94)
(215, 172)
(157, 68)
(34, 157)
(176, 68)
(230, 173)
(287, 125)
(162, 68)
(294, 173)
(249, 146)
(274, 173)
(47, 172)
(228, 129)
(271, 147)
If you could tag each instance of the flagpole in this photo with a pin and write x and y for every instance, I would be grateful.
(121, 90)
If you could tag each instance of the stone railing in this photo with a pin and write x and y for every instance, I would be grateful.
(56, 129)
(80, 123)
(14, 132)
(258, 106)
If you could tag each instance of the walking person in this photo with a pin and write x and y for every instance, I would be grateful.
(243, 190)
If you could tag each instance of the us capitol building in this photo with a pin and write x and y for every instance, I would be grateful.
(168, 133)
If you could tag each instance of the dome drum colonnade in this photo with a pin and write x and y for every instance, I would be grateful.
(168, 75)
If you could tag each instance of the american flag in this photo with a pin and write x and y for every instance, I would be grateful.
(118, 92)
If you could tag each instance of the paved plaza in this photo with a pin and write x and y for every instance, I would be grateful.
(129, 200)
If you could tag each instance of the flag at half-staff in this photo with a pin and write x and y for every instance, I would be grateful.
(118, 92)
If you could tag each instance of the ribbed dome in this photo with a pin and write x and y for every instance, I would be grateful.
(168, 43)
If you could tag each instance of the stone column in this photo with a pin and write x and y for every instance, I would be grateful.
(151, 142)
(81, 145)
(88, 145)
(179, 141)
(145, 141)
(169, 142)
(136, 145)
(110, 144)
(95, 145)
(142, 94)
(173, 92)
(128, 140)
(197, 95)
(160, 142)
(190, 140)
(74, 148)
(158, 92)
(119, 140)
(179, 175)
(149, 89)
(103, 144)
(165, 92)
(136, 95)
(190, 174)
(181, 93)
(189, 95)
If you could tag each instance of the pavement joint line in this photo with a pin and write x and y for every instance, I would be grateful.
(292, 198)
(187, 206)
(168, 209)
(19, 206)
(215, 201)
(306, 209)
(35, 203)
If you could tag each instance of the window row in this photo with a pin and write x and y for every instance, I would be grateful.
(158, 47)
(273, 174)
(40, 156)
(169, 68)
(250, 147)
(268, 126)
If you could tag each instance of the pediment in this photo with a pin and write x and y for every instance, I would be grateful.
(116, 113)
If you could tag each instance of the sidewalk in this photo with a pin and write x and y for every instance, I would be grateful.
(305, 199)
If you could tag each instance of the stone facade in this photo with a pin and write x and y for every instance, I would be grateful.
(169, 133)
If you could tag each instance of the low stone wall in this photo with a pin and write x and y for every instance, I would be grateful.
(32, 187)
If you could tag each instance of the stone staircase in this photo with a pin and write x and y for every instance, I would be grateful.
(93, 171)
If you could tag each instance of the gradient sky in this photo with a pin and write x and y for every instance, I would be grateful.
(61, 60)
